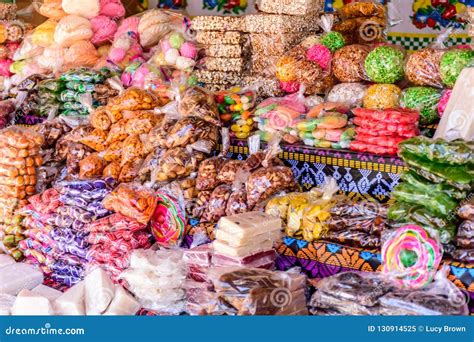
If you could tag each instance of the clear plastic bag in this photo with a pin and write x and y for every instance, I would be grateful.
(91, 166)
(348, 63)
(423, 99)
(133, 201)
(217, 204)
(237, 202)
(72, 29)
(385, 64)
(81, 53)
(87, 9)
(43, 35)
(197, 102)
(452, 63)
(193, 131)
(49, 8)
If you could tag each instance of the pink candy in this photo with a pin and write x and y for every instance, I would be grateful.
(319, 54)
(443, 102)
(104, 29)
(129, 24)
(188, 50)
(112, 8)
(290, 86)
(5, 67)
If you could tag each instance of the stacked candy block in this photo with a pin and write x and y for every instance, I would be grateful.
(224, 44)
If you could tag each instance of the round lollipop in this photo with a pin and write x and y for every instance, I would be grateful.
(411, 257)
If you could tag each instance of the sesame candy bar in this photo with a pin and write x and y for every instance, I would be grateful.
(227, 51)
(216, 37)
(217, 23)
(279, 23)
(275, 44)
(223, 64)
(291, 7)
(217, 77)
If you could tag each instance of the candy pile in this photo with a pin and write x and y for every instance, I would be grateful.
(380, 131)
(156, 278)
(353, 293)
(439, 177)
(465, 251)
(74, 84)
(235, 108)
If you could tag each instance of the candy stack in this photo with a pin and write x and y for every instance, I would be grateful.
(380, 131)
(156, 279)
(19, 159)
(246, 240)
(224, 45)
(280, 26)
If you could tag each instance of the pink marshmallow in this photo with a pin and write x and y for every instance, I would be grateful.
(104, 29)
(129, 24)
(112, 9)
(5, 67)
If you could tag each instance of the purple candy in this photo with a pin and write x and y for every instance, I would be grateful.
(65, 279)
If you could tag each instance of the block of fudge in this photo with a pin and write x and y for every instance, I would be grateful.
(242, 251)
(237, 241)
(48, 292)
(29, 303)
(321, 300)
(264, 259)
(217, 77)
(99, 292)
(217, 23)
(71, 302)
(280, 23)
(200, 255)
(249, 224)
(18, 276)
(218, 38)
(226, 51)
(223, 64)
(293, 7)
(275, 45)
(123, 303)
(6, 304)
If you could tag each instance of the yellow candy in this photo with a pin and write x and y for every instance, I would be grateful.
(235, 128)
(242, 135)
(237, 107)
(323, 215)
(246, 129)
(250, 122)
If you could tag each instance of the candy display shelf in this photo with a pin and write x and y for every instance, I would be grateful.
(360, 175)
(322, 259)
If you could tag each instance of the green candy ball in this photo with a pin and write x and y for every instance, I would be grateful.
(333, 41)
(385, 64)
(176, 40)
(423, 99)
(452, 64)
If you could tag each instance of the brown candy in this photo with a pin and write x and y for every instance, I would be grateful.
(177, 163)
(92, 166)
(199, 103)
(228, 171)
(348, 63)
(191, 130)
(207, 173)
(217, 204)
(422, 67)
(95, 140)
(112, 170)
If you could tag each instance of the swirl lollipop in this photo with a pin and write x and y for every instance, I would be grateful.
(168, 221)
(411, 256)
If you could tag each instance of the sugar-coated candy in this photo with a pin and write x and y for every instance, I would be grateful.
(384, 64)
(423, 99)
(382, 96)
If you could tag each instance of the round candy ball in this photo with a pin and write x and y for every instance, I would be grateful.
(384, 64)
(319, 54)
(348, 63)
(382, 96)
(422, 67)
(452, 64)
(176, 40)
(350, 94)
(184, 63)
(443, 102)
(423, 99)
(188, 50)
(171, 56)
(333, 41)
(286, 69)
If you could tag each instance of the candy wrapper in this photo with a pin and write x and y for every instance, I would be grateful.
(132, 201)
(348, 63)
